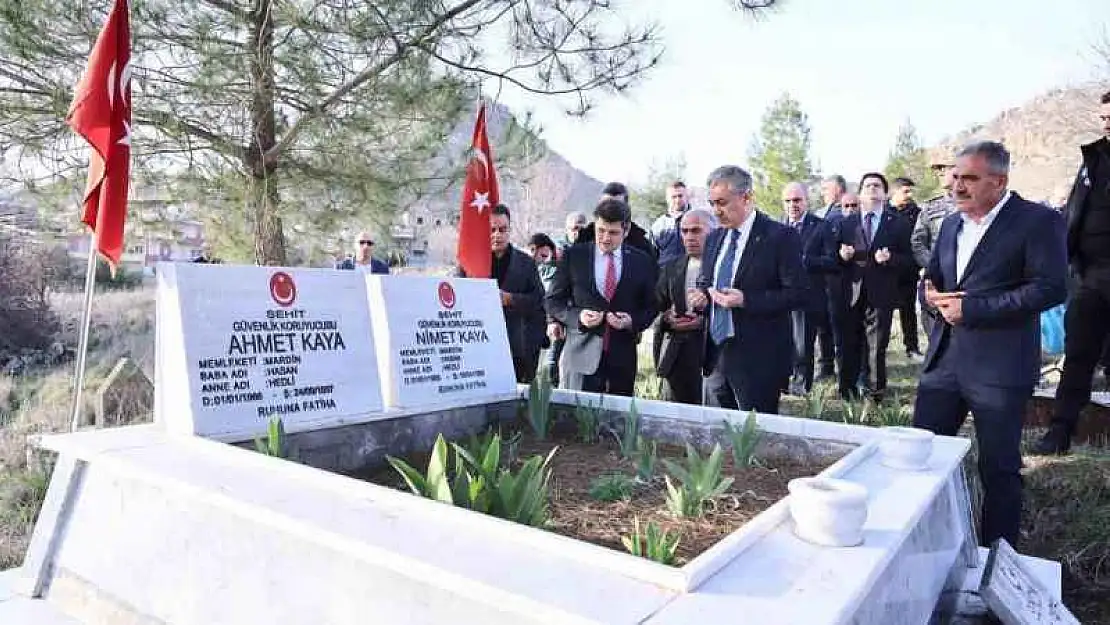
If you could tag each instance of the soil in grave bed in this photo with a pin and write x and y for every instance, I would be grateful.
(576, 514)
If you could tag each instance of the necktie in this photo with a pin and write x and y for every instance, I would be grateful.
(610, 291)
(868, 228)
(610, 276)
(721, 323)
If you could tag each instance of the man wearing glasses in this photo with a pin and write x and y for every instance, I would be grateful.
(364, 260)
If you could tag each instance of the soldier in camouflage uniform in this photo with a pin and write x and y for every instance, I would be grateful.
(927, 227)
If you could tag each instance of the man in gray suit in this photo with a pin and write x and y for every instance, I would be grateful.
(604, 295)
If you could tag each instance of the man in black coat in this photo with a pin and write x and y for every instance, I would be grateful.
(636, 236)
(521, 296)
(680, 333)
(903, 205)
(604, 295)
(752, 277)
(873, 250)
(808, 320)
(1087, 320)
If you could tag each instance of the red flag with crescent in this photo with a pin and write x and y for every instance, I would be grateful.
(475, 255)
(101, 113)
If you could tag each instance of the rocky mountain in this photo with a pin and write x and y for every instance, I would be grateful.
(539, 193)
(1043, 136)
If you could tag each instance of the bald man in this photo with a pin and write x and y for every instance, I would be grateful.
(807, 320)
(679, 343)
(364, 260)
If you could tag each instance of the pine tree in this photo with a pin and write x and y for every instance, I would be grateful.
(649, 200)
(780, 153)
(306, 111)
(909, 160)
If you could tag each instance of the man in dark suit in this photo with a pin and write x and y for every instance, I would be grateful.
(1087, 320)
(998, 263)
(363, 259)
(521, 296)
(752, 277)
(604, 295)
(808, 320)
(873, 249)
(680, 333)
(636, 237)
(903, 205)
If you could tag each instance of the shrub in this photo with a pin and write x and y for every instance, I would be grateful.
(611, 487)
(653, 544)
(481, 484)
(700, 481)
(744, 441)
(539, 406)
(26, 318)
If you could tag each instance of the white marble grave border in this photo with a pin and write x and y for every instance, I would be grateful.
(857, 570)
(694, 573)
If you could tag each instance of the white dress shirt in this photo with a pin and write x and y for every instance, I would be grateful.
(601, 267)
(745, 230)
(875, 221)
(972, 233)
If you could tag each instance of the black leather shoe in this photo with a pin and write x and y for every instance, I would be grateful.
(1053, 443)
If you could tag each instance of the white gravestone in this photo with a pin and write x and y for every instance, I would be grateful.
(440, 340)
(237, 345)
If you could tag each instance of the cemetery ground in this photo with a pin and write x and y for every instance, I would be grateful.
(1068, 499)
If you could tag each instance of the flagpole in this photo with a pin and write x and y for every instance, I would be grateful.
(83, 342)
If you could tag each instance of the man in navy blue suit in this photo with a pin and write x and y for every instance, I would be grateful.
(808, 320)
(872, 249)
(751, 278)
(998, 263)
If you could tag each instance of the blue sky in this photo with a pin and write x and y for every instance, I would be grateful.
(858, 67)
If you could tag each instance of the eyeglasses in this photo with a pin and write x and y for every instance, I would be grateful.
(850, 205)
(365, 242)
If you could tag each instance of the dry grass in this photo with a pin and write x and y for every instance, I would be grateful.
(40, 401)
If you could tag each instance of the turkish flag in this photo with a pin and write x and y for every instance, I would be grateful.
(475, 255)
(101, 113)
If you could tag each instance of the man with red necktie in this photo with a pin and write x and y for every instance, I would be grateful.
(604, 294)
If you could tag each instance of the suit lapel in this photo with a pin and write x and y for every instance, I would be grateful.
(678, 285)
(590, 272)
(947, 253)
(990, 238)
(755, 240)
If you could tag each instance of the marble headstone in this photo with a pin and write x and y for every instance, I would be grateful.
(439, 339)
(237, 345)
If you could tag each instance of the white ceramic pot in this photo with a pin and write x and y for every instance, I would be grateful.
(828, 511)
(906, 448)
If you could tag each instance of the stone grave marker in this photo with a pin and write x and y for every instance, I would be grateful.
(239, 345)
(440, 339)
(125, 396)
(1015, 595)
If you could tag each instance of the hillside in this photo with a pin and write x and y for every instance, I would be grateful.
(1043, 136)
(539, 195)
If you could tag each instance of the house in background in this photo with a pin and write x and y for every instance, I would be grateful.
(150, 238)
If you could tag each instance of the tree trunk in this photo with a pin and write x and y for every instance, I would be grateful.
(269, 240)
